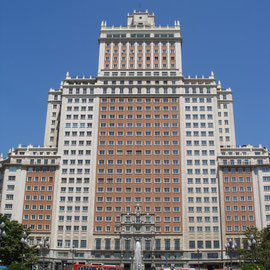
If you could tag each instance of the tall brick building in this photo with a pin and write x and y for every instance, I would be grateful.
(138, 153)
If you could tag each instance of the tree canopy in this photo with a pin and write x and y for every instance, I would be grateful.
(261, 251)
(11, 248)
(249, 266)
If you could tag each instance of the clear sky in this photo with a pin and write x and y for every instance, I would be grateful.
(41, 40)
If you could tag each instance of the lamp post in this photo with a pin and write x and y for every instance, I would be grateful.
(2, 233)
(43, 245)
(230, 247)
(252, 244)
(73, 251)
(198, 257)
(24, 244)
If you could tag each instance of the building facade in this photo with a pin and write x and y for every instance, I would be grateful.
(141, 153)
(28, 183)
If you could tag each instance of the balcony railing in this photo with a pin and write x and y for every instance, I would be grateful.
(244, 163)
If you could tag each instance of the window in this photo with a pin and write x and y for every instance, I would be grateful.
(167, 244)
(158, 244)
(98, 244)
(200, 244)
(177, 244)
(107, 244)
(191, 244)
(83, 243)
(59, 243)
(117, 244)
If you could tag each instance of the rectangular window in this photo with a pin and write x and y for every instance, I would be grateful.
(167, 244)
(191, 244)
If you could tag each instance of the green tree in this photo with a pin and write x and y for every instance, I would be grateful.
(265, 248)
(261, 250)
(16, 266)
(12, 249)
(249, 266)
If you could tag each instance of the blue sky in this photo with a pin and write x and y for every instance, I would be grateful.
(41, 40)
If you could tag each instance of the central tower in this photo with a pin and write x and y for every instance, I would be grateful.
(141, 45)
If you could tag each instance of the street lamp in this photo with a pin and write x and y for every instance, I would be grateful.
(230, 247)
(73, 251)
(252, 244)
(2, 232)
(198, 257)
(43, 245)
(24, 244)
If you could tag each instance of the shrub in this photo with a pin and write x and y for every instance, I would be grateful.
(249, 266)
(16, 266)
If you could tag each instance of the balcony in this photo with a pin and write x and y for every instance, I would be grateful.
(238, 163)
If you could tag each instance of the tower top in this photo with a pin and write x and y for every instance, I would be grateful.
(141, 18)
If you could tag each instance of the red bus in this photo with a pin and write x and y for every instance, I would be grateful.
(96, 266)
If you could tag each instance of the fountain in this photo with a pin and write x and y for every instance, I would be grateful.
(138, 263)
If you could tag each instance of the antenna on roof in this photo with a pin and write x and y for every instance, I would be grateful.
(140, 6)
